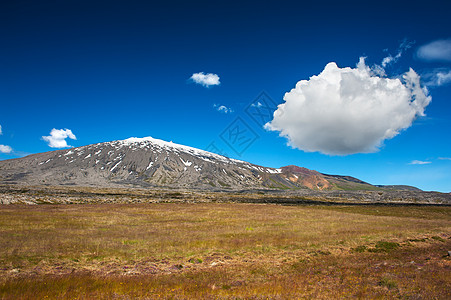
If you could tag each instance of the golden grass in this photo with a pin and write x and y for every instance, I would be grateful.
(210, 250)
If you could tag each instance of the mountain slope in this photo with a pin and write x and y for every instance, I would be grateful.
(152, 162)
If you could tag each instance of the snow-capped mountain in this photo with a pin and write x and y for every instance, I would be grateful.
(153, 162)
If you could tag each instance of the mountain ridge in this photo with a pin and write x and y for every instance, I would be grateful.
(150, 162)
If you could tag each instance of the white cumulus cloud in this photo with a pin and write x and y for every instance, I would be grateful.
(57, 138)
(419, 162)
(439, 50)
(206, 80)
(344, 111)
(5, 149)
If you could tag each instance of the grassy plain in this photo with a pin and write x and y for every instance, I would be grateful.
(224, 250)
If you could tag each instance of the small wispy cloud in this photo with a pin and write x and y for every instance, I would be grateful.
(258, 104)
(438, 77)
(419, 162)
(1, 130)
(205, 80)
(5, 149)
(223, 109)
(57, 138)
(439, 50)
(406, 44)
(443, 77)
(444, 158)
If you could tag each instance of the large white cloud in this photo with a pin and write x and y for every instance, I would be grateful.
(348, 110)
(57, 138)
(439, 50)
(5, 149)
(206, 80)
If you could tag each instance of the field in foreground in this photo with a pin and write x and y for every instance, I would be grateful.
(224, 250)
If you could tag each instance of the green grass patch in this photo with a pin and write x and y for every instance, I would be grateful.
(437, 238)
(388, 283)
(383, 246)
(360, 249)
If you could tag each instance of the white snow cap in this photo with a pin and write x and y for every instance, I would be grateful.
(142, 142)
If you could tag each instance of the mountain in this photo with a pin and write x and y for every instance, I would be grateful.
(153, 162)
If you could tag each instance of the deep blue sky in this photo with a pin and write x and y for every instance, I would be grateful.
(110, 70)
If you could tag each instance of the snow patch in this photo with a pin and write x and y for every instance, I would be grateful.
(44, 162)
(274, 171)
(111, 170)
(206, 159)
(186, 163)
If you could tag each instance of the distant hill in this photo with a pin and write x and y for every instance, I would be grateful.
(399, 187)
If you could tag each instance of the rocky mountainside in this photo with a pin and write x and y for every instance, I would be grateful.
(152, 162)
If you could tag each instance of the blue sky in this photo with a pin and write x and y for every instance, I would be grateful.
(109, 70)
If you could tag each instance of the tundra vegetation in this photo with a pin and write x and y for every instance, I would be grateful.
(178, 249)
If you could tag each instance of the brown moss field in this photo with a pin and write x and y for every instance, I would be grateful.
(224, 251)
